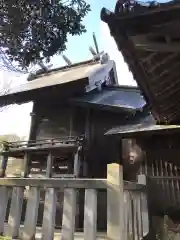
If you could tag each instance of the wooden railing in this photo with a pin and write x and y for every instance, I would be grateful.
(124, 206)
(136, 218)
(8, 148)
(165, 191)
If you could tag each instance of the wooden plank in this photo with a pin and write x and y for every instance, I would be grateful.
(29, 229)
(49, 205)
(129, 227)
(54, 183)
(3, 207)
(115, 202)
(76, 164)
(154, 47)
(34, 122)
(90, 214)
(49, 215)
(66, 183)
(137, 216)
(142, 179)
(141, 215)
(15, 212)
(143, 208)
(26, 165)
(49, 165)
(3, 166)
(16, 203)
(69, 213)
(133, 217)
(63, 146)
(126, 215)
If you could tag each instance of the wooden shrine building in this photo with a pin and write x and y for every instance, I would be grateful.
(73, 107)
(78, 104)
(148, 37)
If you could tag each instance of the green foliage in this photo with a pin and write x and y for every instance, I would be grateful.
(4, 238)
(14, 166)
(9, 138)
(33, 30)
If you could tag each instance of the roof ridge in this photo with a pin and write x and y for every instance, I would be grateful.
(66, 67)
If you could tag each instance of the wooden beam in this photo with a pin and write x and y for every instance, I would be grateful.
(157, 47)
(26, 165)
(164, 61)
(45, 147)
(77, 163)
(84, 183)
(49, 165)
(49, 205)
(30, 222)
(3, 166)
(170, 72)
(115, 202)
(143, 206)
(49, 215)
(15, 212)
(69, 214)
(34, 122)
(14, 218)
(90, 214)
(3, 207)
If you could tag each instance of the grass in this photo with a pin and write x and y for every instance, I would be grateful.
(4, 238)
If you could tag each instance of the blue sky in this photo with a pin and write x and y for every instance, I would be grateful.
(77, 47)
(16, 119)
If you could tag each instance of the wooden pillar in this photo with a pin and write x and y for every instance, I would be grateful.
(49, 205)
(143, 207)
(26, 166)
(3, 195)
(88, 126)
(33, 126)
(78, 192)
(49, 165)
(71, 114)
(34, 121)
(115, 202)
(3, 166)
(29, 230)
(143, 179)
(90, 214)
(77, 162)
(16, 204)
(69, 213)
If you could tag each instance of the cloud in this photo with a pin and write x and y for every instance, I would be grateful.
(16, 118)
(108, 45)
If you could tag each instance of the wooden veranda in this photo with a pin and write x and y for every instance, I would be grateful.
(126, 207)
(127, 212)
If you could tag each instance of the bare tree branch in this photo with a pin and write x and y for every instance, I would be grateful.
(7, 65)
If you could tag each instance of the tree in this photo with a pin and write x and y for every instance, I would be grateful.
(33, 30)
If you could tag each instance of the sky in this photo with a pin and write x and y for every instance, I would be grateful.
(16, 119)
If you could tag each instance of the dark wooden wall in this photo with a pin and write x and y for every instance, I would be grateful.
(157, 158)
(62, 120)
